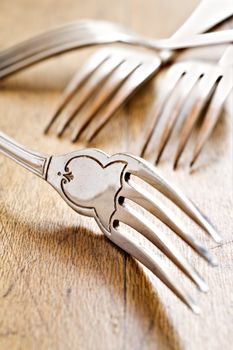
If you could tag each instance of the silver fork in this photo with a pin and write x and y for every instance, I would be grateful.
(190, 89)
(104, 187)
(89, 32)
(130, 70)
(109, 77)
(112, 76)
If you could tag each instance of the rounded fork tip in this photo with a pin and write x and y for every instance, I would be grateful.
(175, 164)
(191, 164)
(217, 238)
(46, 129)
(214, 234)
(60, 132)
(195, 308)
(74, 137)
(157, 161)
(203, 287)
(205, 253)
(213, 260)
(199, 282)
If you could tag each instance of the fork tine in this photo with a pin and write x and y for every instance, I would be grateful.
(96, 79)
(107, 91)
(214, 111)
(139, 77)
(172, 110)
(76, 82)
(171, 79)
(139, 223)
(143, 198)
(155, 265)
(205, 89)
(146, 172)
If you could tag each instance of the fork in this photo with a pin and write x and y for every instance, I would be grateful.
(109, 78)
(112, 76)
(79, 34)
(127, 76)
(190, 89)
(104, 187)
(92, 32)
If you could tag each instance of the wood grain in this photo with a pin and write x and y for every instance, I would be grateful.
(62, 284)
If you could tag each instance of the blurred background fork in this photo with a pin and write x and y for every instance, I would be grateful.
(85, 33)
(190, 90)
(112, 76)
(108, 78)
(117, 72)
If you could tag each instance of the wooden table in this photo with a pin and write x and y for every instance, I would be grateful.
(62, 284)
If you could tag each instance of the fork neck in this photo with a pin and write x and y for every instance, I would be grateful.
(34, 162)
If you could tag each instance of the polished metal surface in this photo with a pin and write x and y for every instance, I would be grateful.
(208, 14)
(86, 33)
(113, 75)
(189, 89)
(109, 77)
(104, 187)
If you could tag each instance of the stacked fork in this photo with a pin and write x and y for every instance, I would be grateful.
(113, 75)
(191, 90)
(102, 186)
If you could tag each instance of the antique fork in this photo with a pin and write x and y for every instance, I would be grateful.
(104, 187)
(190, 89)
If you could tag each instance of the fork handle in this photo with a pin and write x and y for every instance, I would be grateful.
(205, 16)
(35, 162)
(227, 57)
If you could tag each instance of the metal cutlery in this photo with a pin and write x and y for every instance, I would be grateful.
(86, 33)
(105, 188)
(112, 76)
(205, 16)
(108, 78)
(127, 71)
(190, 89)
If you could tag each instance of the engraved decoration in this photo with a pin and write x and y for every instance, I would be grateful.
(89, 184)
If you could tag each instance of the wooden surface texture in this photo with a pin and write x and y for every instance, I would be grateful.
(62, 284)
